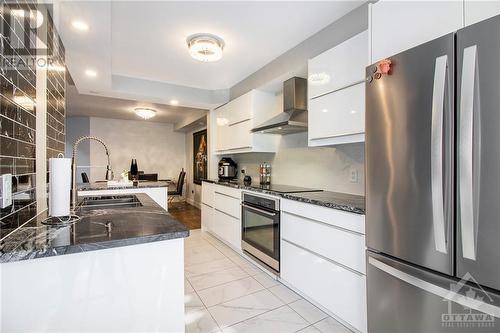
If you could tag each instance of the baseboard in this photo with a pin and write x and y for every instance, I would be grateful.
(194, 203)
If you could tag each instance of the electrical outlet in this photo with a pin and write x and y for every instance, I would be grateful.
(6, 190)
(353, 175)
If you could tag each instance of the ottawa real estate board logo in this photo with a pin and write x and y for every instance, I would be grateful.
(469, 306)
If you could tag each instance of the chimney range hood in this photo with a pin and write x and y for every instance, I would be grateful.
(293, 119)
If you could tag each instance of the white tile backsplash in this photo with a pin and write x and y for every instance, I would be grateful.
(295, 163)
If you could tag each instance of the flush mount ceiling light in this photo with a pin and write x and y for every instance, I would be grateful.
(80, 25)
(145, 113)
(205, 47)
(318, 79)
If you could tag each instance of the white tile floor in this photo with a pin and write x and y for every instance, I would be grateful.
(226, 293)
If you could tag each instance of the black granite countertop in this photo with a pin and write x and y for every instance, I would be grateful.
(146, 223)
(341, 201)
(104, 185)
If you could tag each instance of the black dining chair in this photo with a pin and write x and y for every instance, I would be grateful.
(85, 178)
(148, 176)
(177, 193)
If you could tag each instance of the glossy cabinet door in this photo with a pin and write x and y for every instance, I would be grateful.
(340, 290)
(396, 26)
(240, 135)
(207, 193)
(221, 133)
(207, 213)
(341, 66)
(476, 11)
(227, 228)
(336, 115)
(240, 108)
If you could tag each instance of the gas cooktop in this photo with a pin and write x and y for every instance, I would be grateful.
(284, 188)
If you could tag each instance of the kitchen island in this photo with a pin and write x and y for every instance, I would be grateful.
(157, 190)
(118, 269)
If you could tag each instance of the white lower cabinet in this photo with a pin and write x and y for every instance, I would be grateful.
(339, 290)
(227, 228)
(221, 213)
(323, 257)
(207, 217)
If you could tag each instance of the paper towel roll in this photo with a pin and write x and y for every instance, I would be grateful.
(59, 186)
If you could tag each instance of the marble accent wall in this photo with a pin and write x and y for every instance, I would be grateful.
(18, 116)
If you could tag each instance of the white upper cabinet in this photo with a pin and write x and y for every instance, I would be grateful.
(338, 67)
(235, 120)
(396, 26)
(336, 107)
(476, 11)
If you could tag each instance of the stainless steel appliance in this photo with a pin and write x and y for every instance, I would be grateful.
(260, 232)
(260, 219)
(228, 169)
(293, 119)
(432, 186)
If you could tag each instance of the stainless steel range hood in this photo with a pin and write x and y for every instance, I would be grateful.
(293, 119)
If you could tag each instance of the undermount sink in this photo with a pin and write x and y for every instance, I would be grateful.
(111, 201)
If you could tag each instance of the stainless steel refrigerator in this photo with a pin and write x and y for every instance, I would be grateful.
(433, 186)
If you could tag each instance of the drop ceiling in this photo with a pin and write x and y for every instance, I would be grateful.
(138, 48)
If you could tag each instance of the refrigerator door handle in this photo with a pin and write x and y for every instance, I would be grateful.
(465, 159)
(445, 293)
(438, 101)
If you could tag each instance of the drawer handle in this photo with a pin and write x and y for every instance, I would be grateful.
(338, 89)
(259, 210)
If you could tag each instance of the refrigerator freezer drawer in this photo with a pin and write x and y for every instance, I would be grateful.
(404, 298)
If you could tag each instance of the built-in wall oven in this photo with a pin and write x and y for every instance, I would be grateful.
(260, 216)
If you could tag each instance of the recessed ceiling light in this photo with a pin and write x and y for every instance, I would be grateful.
(325, 110)
(174, 102)
(145, 113)
(90, 73)
(205, 47)
(80, 25)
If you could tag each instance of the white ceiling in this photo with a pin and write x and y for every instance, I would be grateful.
(96, 106)
(138, 48)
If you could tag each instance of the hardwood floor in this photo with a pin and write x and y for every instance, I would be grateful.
(187, 214)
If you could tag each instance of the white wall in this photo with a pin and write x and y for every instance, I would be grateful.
(157, 148)
(77, 127)
(193, 191)
(325, 168)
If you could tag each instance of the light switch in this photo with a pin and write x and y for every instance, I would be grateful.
(6, 190)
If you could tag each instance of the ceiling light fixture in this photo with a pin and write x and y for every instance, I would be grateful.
(80, 25)
(90, 73)
(174, 102)
(145, 113)
(205, 47)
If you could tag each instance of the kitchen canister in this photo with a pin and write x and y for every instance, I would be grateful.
(59, 186)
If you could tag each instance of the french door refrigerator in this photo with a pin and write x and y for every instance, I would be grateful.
(433, 186)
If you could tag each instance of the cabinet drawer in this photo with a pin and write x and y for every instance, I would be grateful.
(228, 205)
(207, 193)
(227, 228)
(338, 114)
(229, 191)
(339, 290)
(341, 219)
(340, 66)
(344, 247)
(207, 213)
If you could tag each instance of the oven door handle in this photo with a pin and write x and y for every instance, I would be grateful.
(259, 210)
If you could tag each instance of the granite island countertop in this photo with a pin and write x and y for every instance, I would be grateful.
(146, 223)
(335, 200)
(104, 185)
